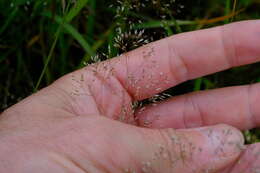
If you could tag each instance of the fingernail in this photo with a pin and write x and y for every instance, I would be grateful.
(226, 141)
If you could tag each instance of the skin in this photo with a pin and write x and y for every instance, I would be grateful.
(84, 121)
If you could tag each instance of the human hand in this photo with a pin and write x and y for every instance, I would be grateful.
(70, 126)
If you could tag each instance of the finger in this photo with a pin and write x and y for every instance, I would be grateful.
(191, 151)
(249, 161)
(165, 63)
(236, 106)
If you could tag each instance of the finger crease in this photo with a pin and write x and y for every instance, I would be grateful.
(229, 57)
(250, 112)
(175, 54)
(199, 113)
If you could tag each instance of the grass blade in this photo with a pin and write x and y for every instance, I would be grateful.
(73, 32)
(9, 20)
(75, 10)
(234, 9)
(198, 84)
(158, 24)
(48, 58)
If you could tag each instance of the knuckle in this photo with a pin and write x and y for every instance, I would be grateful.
(176, 148)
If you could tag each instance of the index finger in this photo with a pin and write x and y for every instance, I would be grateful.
(170, 61)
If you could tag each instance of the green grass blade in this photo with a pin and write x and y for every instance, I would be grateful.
(198, 84)
(105, 36)
(75, 10)
(159, 24)
(73, 32)
(176, 24)
(234, 10)
(227, 9)
(9, 20)
(91, 19)
(48, 58)
(168, 30)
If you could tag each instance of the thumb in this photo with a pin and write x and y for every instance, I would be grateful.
(208, 149)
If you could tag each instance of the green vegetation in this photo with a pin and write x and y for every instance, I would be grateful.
(45, 39)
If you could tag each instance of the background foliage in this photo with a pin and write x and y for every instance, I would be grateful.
(45, 39)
